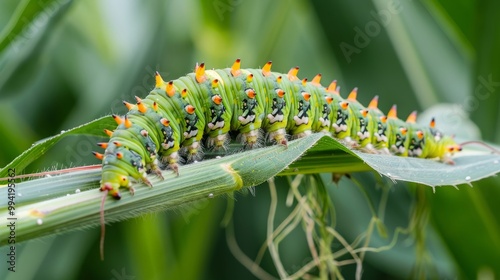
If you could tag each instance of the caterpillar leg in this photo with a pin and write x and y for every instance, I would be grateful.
(349, 142)
(384, 151)
(153, 168)
(157, 172)
(194, 152)
(251, 139)
(370, 149)
(278, 136)
(302, 134)
(218, 142)
(398, 150)
(131, 190)
(171, 162)
(175, 168)
(447, 160)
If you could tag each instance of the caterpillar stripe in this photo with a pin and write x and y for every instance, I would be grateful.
(204, 106)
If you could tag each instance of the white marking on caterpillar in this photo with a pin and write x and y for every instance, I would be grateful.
(215, 126)
(275, 118)
(415, 152)
(299, 121)
(397, 150)
(380, 137)
(192, 133)
(248, 119)
(324, 122)
(363, 135)
(340, 128)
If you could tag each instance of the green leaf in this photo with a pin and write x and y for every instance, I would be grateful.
(72, 200)
(429, 67)
(425, 171)
(38, 149)
(24, 17)
(24, 33)
(484, 100)
(432, 173)
(468, 218)
(62, 211)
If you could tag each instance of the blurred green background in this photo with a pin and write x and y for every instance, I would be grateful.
(64, 63)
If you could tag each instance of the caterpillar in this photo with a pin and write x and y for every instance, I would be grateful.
(181, 116)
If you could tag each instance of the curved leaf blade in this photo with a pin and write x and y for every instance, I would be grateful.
(94, 128)
(65, 210)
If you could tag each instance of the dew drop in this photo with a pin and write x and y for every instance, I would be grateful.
(195, 161)
(467, 178)
(389, 174)
(39, 222)
(62, 131)
(77, 190)
(217, 157)
(210, 195)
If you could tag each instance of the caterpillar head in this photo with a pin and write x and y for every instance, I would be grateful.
(445, 148)
(112, 181)
(451, 147)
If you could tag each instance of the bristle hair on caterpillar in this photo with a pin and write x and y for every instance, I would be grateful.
(197, 110)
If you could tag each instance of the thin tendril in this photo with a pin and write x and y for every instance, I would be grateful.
(103, 225)
(493, 149)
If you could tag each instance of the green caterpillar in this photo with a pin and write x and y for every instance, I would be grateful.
(204, 106)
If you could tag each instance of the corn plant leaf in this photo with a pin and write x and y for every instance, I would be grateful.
(69, 201)
(94, 128)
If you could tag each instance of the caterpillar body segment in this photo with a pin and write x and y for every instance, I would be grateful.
(342, 120)
(379, 127)
(362, 123)
(398, 131)
(181, 116)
